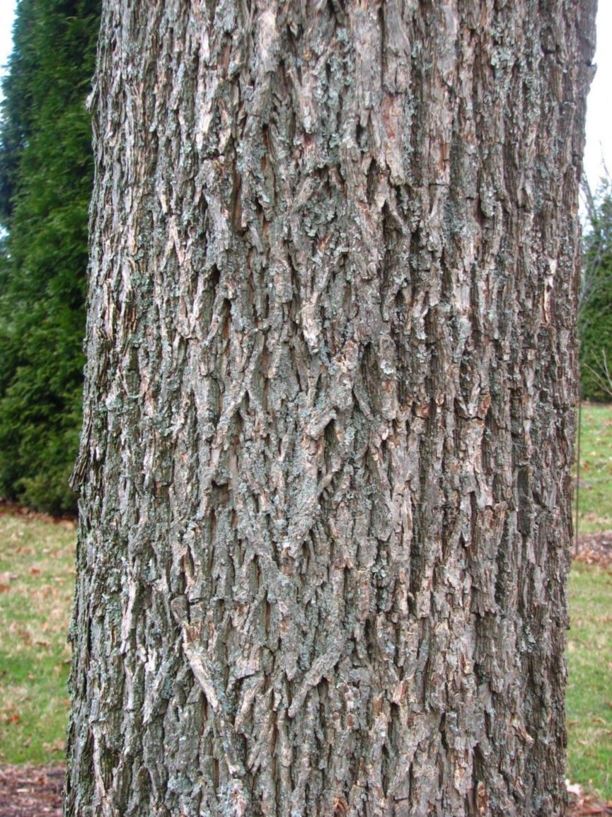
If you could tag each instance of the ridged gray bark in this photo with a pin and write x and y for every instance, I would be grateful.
(325, 467)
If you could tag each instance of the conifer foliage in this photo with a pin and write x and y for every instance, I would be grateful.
(45, 184)
(595, 318)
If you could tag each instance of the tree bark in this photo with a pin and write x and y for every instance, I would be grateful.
(325, 467)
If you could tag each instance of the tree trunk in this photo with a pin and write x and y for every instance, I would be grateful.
(325, 467)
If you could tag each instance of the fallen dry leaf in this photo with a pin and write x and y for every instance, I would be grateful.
(583, 805)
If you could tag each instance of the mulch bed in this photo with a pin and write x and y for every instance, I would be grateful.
(582, 804)
(595, 549)
(13, 509)
(31, 791)
(36, 791)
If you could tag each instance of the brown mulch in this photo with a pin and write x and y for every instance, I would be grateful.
(13, 509)
(36, 791)
(594, 549)
(31, 791)
(582, 804)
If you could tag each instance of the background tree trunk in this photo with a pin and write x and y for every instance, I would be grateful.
(329, 421)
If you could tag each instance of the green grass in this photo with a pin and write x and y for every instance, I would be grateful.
(595, 493)
(589, 694)
(36, 583)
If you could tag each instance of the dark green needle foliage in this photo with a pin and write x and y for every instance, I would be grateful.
(595, 319)
(45, 183)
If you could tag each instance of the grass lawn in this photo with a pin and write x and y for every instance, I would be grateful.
(595, 493)
(36, 584)
(589, 701)
(589, 693)
(36, 580)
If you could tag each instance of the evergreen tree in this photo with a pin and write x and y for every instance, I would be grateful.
(45, 183)
(596, 311)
